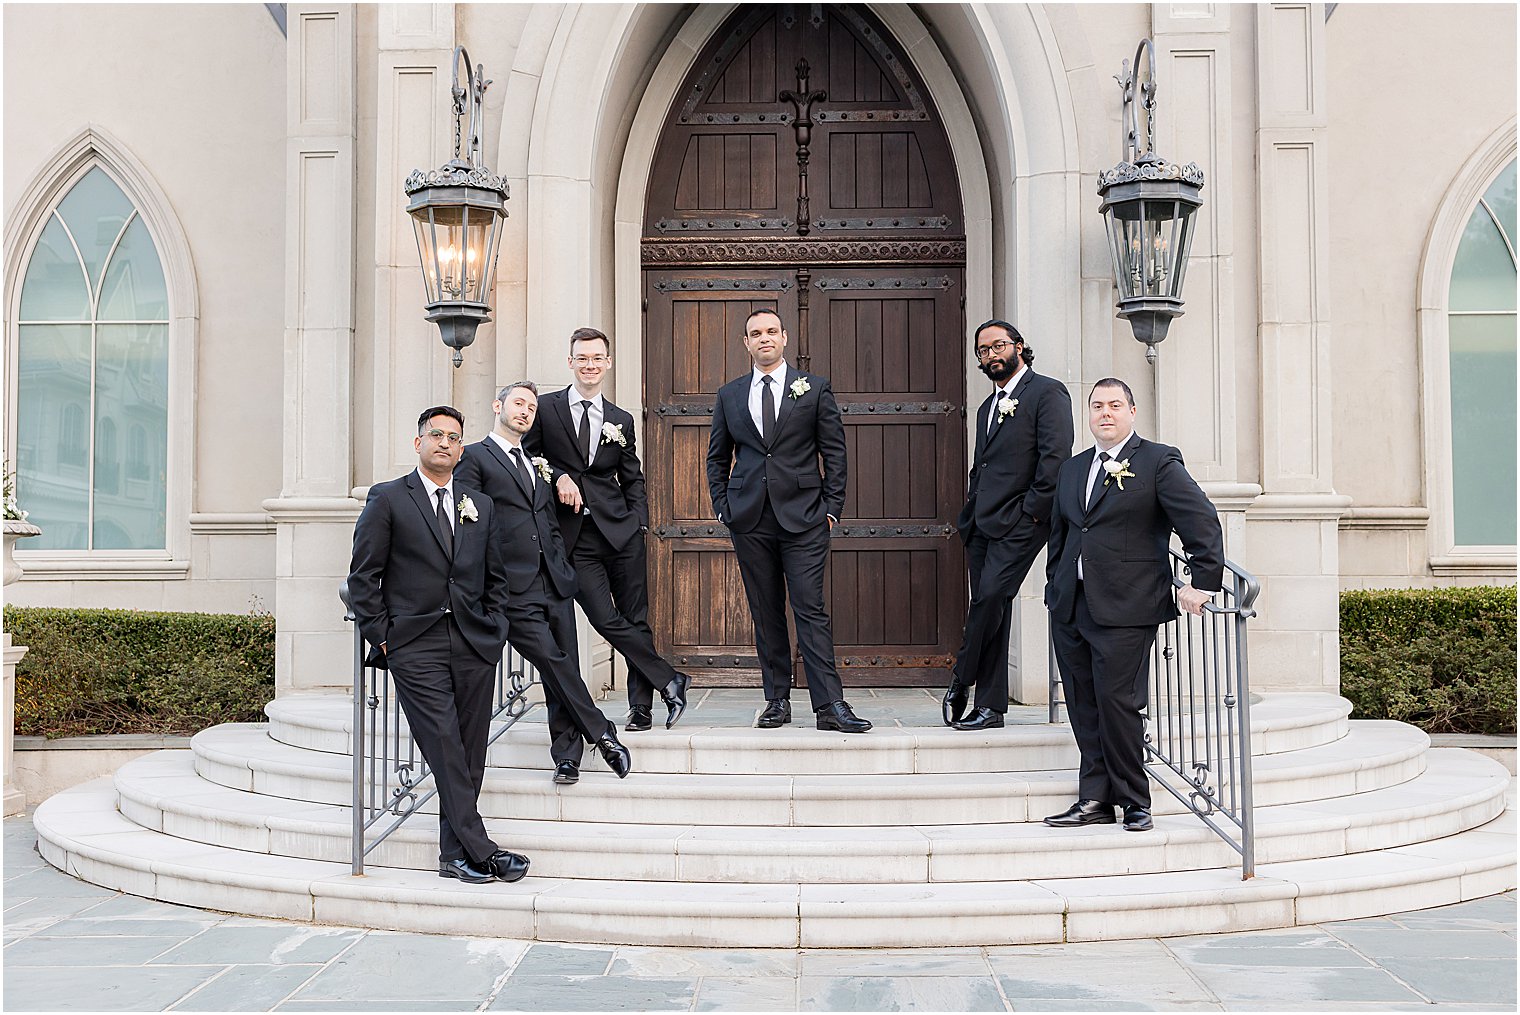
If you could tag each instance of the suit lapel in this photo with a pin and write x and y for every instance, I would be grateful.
(1122, 452)
(1014, 394)
(982, 415)
(500, 455)
(784, 409)
(429, 512)
(561, 409)
(738, 403)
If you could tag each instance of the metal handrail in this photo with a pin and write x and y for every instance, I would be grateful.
(1198, 736)
(389, 776)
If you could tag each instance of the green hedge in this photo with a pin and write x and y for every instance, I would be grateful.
(124, 671)
(1442, 659)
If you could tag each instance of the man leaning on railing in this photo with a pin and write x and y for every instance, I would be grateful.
(429, 588)
(1109, 584)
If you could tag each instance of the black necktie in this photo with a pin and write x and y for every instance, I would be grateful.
(767, 408)
(443, 524)
(584, 433)
(522, 468)
(1098, 480)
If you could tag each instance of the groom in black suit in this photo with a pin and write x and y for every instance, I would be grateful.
(770, 430)
(429, 589)
(603, 516)
(1109, 584)
(540, 610)
(1023, 434)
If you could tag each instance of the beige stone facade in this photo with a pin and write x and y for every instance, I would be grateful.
(1344, 147)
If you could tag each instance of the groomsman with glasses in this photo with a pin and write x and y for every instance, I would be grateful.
(603, 516)
(428, 583)
(1023, 434)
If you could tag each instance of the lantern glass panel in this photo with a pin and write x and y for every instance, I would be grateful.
(427, 250)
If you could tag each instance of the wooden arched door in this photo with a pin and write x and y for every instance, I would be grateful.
(803, 166)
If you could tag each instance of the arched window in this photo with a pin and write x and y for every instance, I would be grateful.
(1481, 329)
(92, 361)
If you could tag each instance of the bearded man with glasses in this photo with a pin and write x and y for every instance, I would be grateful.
(1023, 433)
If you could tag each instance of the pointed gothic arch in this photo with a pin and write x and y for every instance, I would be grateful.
(91, 148)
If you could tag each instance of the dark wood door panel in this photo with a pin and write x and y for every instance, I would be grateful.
(850, 225)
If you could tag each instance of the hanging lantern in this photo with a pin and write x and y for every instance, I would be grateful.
(457, 212)
(1148, 205)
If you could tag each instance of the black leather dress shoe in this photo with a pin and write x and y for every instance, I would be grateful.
(566, 773)
(464, 870)
(639, 720)
(836, 715)
(981, 719)
(778, 712)
(1083, 812)
(506, 866)
(1137, 819)
(674, 694)
(615, 755)
(955, 702)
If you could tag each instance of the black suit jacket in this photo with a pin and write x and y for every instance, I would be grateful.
(1122, 540)
(612, 485)
(530, 532)
(743, 469)
(1014, 469)
(401, 580)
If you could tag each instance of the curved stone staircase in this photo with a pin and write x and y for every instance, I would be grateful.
(913, 835)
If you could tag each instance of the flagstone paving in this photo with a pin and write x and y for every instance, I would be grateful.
(70, 946)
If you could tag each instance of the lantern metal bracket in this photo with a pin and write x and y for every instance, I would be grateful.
(1127, 78)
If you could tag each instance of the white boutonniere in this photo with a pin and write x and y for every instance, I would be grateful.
(1006, 407)
(612, 433)
(542, 465)
(800, 387)
(467, 512)
(1117, 471)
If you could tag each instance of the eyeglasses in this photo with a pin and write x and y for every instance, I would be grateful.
(443, 435)
(586, 361)
(1000, 346)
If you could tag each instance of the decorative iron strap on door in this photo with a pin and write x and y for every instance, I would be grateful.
(391, 781)
(1198, 731)
(804, 167)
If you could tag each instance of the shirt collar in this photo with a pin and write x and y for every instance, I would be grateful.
(1012, 382)
(576, 398)
(506, 445)
(778, 372)
(1099, 448)
(432, 488)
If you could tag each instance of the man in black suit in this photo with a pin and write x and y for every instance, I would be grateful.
(770, 428)
(1023, 434)
(603, 516)
(1109, 584)
(540, 611)
(429, 589)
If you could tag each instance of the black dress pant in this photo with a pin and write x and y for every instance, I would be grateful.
(445, 691)
(777, 566)
(1105, 672)
(614, 594)
(998, 567)
(541, 627)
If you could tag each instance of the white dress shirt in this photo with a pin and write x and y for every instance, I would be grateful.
(756, 386)
(598, 415)
(509, 447)
(1006, 391)
(1092, 477)
(432, 489)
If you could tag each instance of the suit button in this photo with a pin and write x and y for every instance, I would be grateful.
(451, 581)
(1084, 528)
(767, 454)
(535, 538)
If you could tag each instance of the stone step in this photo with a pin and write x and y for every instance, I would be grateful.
(82, 833)
(1459, 790)
(243, 756)
(1279, 723)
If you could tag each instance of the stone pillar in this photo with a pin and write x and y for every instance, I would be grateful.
(314, 514)
(1291, 528)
